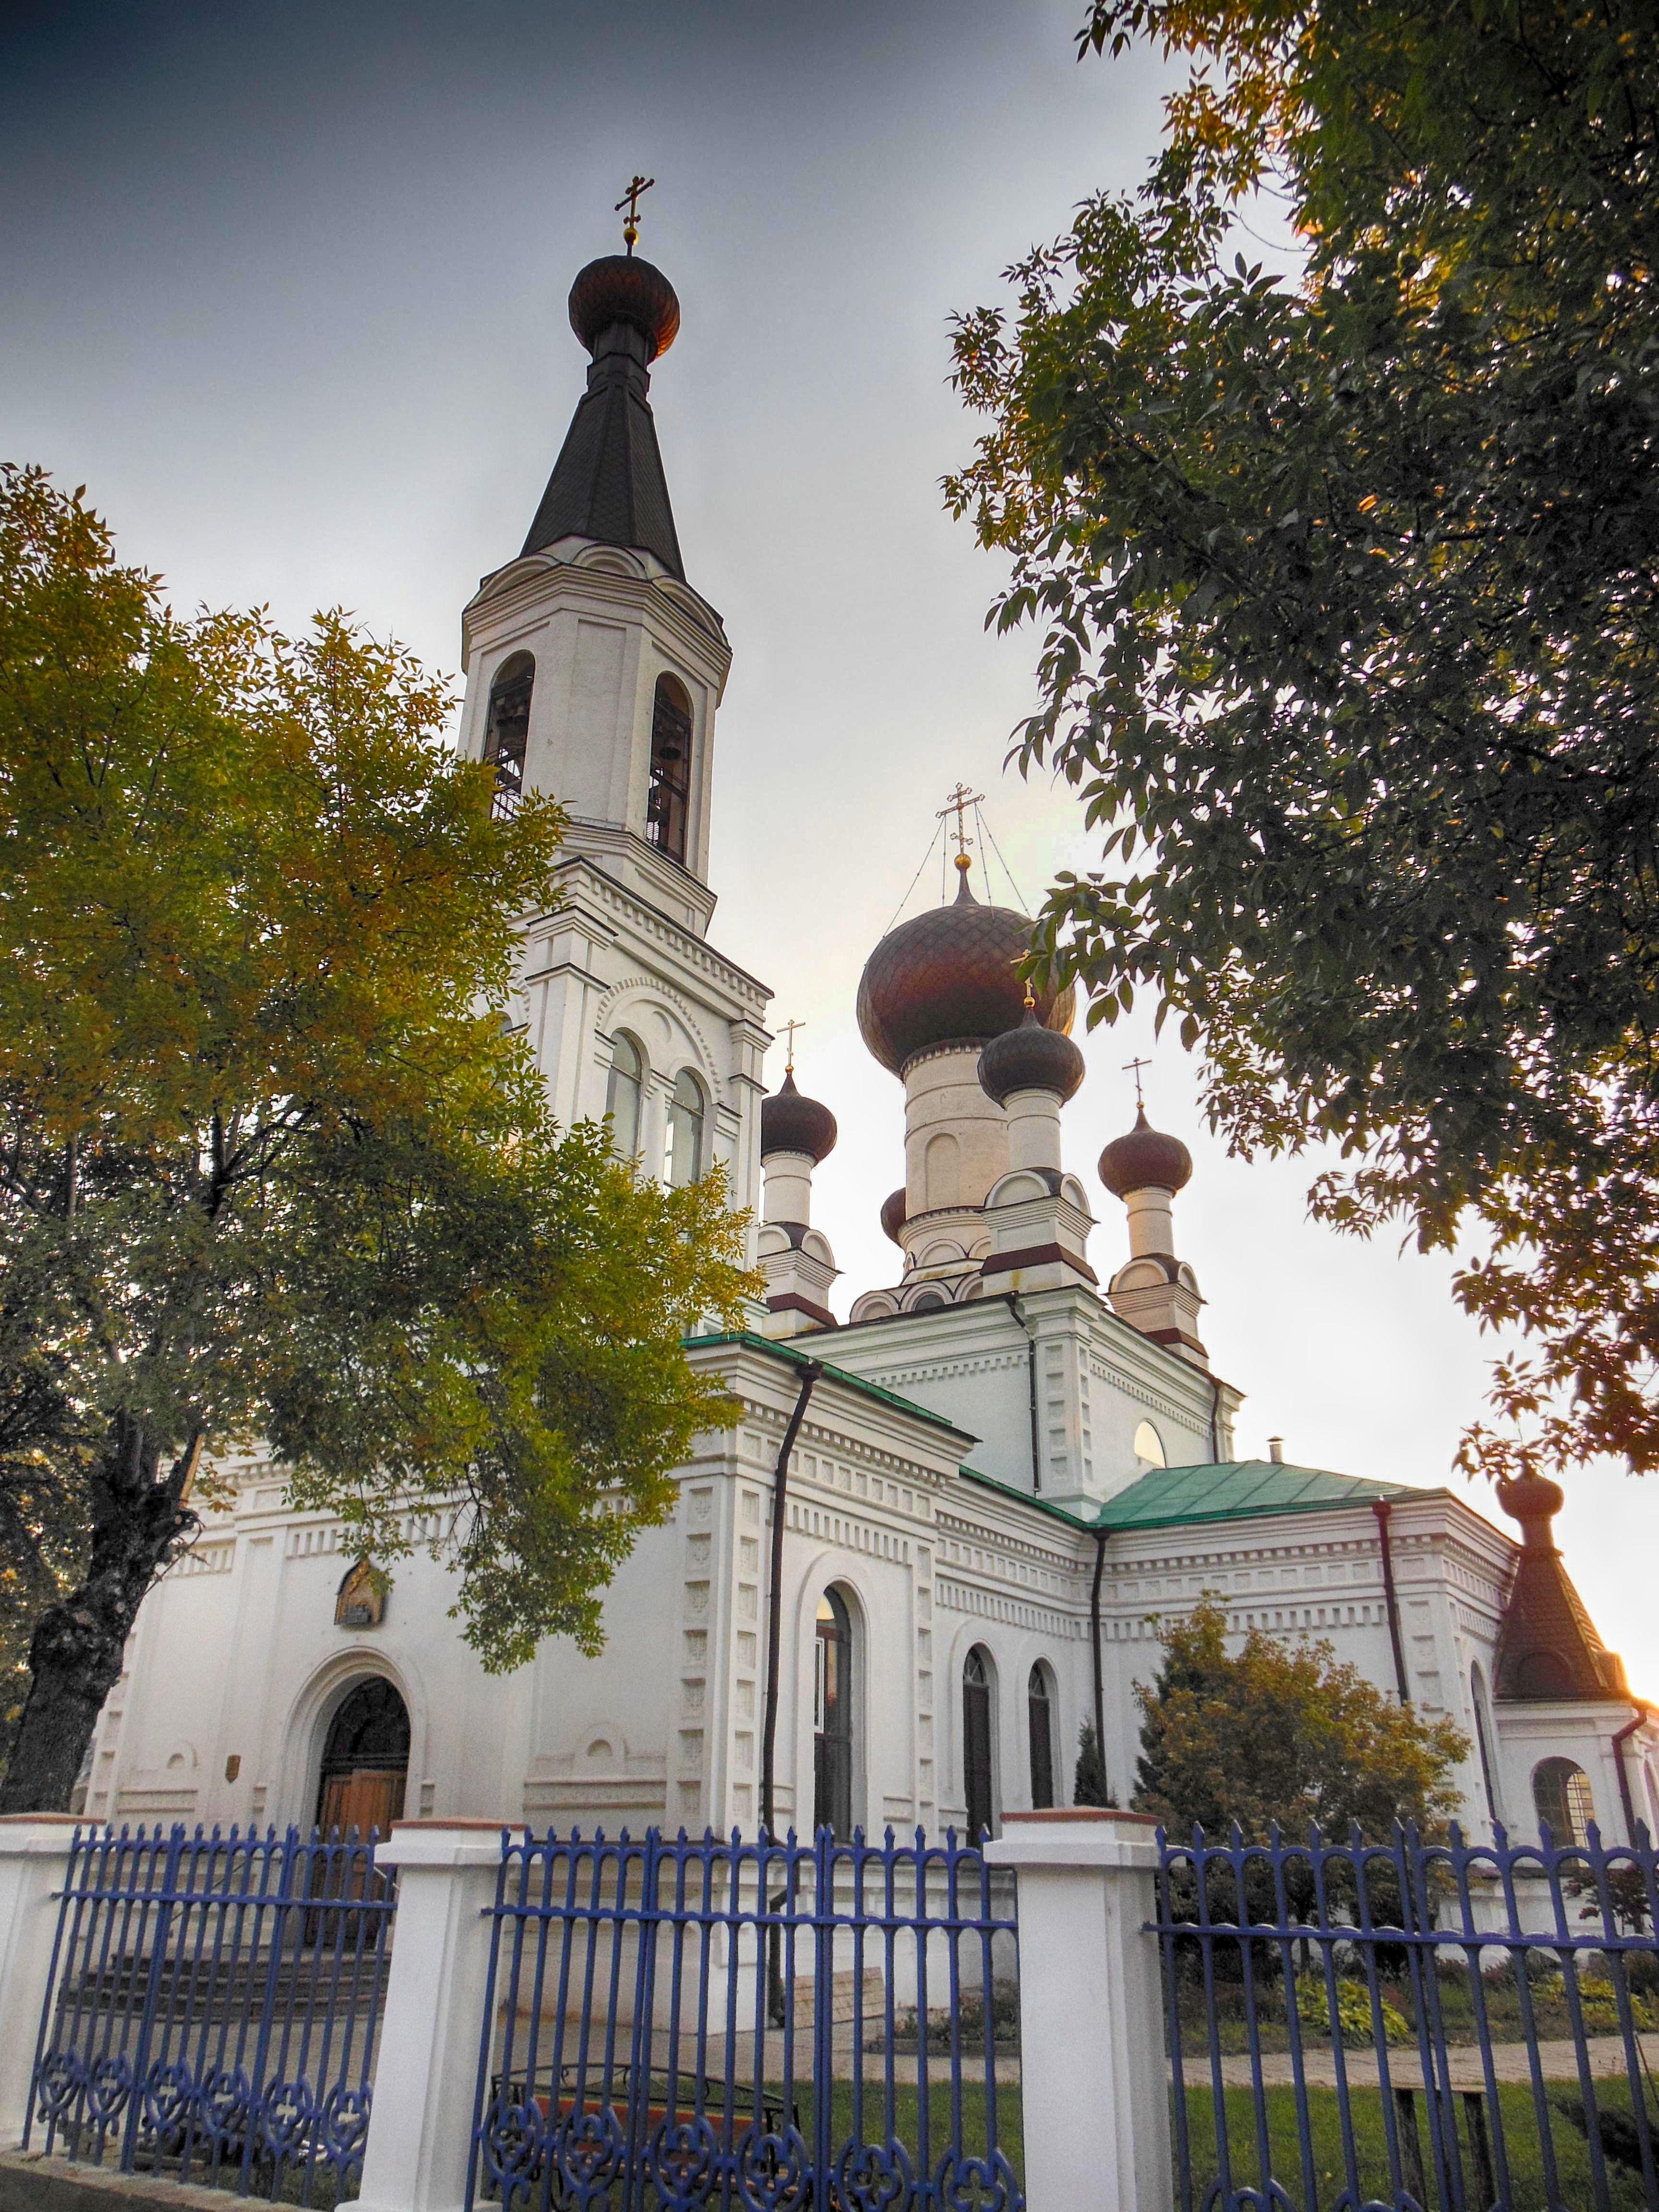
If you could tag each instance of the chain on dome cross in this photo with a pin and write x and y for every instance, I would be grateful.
(630, 200)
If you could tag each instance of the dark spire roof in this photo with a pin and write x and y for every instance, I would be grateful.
(1547, 1646)
(1146, 1160)
(1030, 1058)
(790, 1122)
(608, 482)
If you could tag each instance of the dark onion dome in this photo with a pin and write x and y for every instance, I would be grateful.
(893, 1210)
(1146, 1160)
(950, 977)
(1030, 1058)
(620, 287)
(791, 1123)
(1532, 1500)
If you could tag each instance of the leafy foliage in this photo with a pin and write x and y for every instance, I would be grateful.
(276, 1171)
(1088, 1782)
(1283, 1734)
(1350, 586)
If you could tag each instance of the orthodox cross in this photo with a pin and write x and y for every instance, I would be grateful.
(788, 1029)
(1134, 1067)
(957, 804)
(630, 200)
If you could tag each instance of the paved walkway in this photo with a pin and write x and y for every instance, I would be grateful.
(1558, 2062)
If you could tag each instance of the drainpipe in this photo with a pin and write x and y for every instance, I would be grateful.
(810, 1373)
(1382, 1508)
(1215, 1420)
(1094, 1633)
(1625, 1798)
(1012, 1298)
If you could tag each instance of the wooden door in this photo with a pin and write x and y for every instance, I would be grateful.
(369, 1798)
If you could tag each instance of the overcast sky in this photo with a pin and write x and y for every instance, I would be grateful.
(284, 287)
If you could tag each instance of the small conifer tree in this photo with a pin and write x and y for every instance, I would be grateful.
(1089, 1780)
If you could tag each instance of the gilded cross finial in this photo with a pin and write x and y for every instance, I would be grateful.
(1134, 1067)
(788, 1029)
(957, 804)
(630, 200)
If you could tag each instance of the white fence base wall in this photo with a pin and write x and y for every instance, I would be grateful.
(1095, 2100)
(34, 1853)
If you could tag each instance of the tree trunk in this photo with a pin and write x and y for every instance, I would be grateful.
(75, 1654)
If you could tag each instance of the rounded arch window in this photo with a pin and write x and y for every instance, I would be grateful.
(623, 1090)
(1561, 1797)
(1040, 1721)
(365, 1763)
(1149, 1446)
(976, 1754)
(928, 1301)
(688, 1113)
(668, 804)
(506, 726)
(832, 1716)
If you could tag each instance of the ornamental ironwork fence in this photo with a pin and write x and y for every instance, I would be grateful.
(214, 2007)
(1411, 2024)
(683, 2023)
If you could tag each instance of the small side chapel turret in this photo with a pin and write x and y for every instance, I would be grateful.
(1154, 1292)
(797, 1133)
(1039, 1216)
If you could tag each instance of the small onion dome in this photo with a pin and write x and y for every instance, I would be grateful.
(1144, 1160)
(1030, 1058)
(622, 288)
(1532, 1500)
(791, 1123)
(892, 1215)
(950, 977)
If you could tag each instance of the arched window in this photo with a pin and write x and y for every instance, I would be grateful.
(1039, 1712)
(669, 803)
(686, 1114)
(832, 1717)
(1482, 1740)
(506, 727)
(622, 1090)
(1561, 1794)
(1149, 1445)
(364, 1760)
(976, 1742)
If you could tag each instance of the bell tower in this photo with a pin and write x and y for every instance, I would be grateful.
(594, 671)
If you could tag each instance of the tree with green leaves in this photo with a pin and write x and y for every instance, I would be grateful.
(277, 1175)
(1349, 583)
(1282, 1733)
(1088, 1782)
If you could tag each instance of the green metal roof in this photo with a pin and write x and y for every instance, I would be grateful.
(1235, 1490)
(792, 1355)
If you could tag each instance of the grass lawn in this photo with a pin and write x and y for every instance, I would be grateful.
(1528, 2190)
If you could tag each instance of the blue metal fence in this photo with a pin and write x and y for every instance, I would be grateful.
(687, 2023)
(214, 2006)
(1411, 2024)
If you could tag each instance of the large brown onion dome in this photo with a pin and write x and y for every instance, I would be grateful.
(620, 287)
(950, 977)
(1146, 1160)
(893, 1210)
(791, 1123)
(1030, 1058)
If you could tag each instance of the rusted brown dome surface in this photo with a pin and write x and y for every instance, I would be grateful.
(1030, 1058)
(950, 977)
(893, 1209)
(793, 1123)
(1144, 1160)
(622, 288)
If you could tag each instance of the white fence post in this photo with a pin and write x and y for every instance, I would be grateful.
(35, 1857)
(1093, 2079)
(420, 2128)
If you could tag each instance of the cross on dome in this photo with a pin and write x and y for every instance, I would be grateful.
(1134, 1067)
(957, 804)
(630, 200)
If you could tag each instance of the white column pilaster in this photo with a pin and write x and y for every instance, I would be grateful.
(34, 1856)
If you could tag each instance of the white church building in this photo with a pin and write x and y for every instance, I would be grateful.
(952, 1521)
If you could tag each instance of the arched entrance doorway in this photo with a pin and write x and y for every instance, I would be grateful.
(365, 1763)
